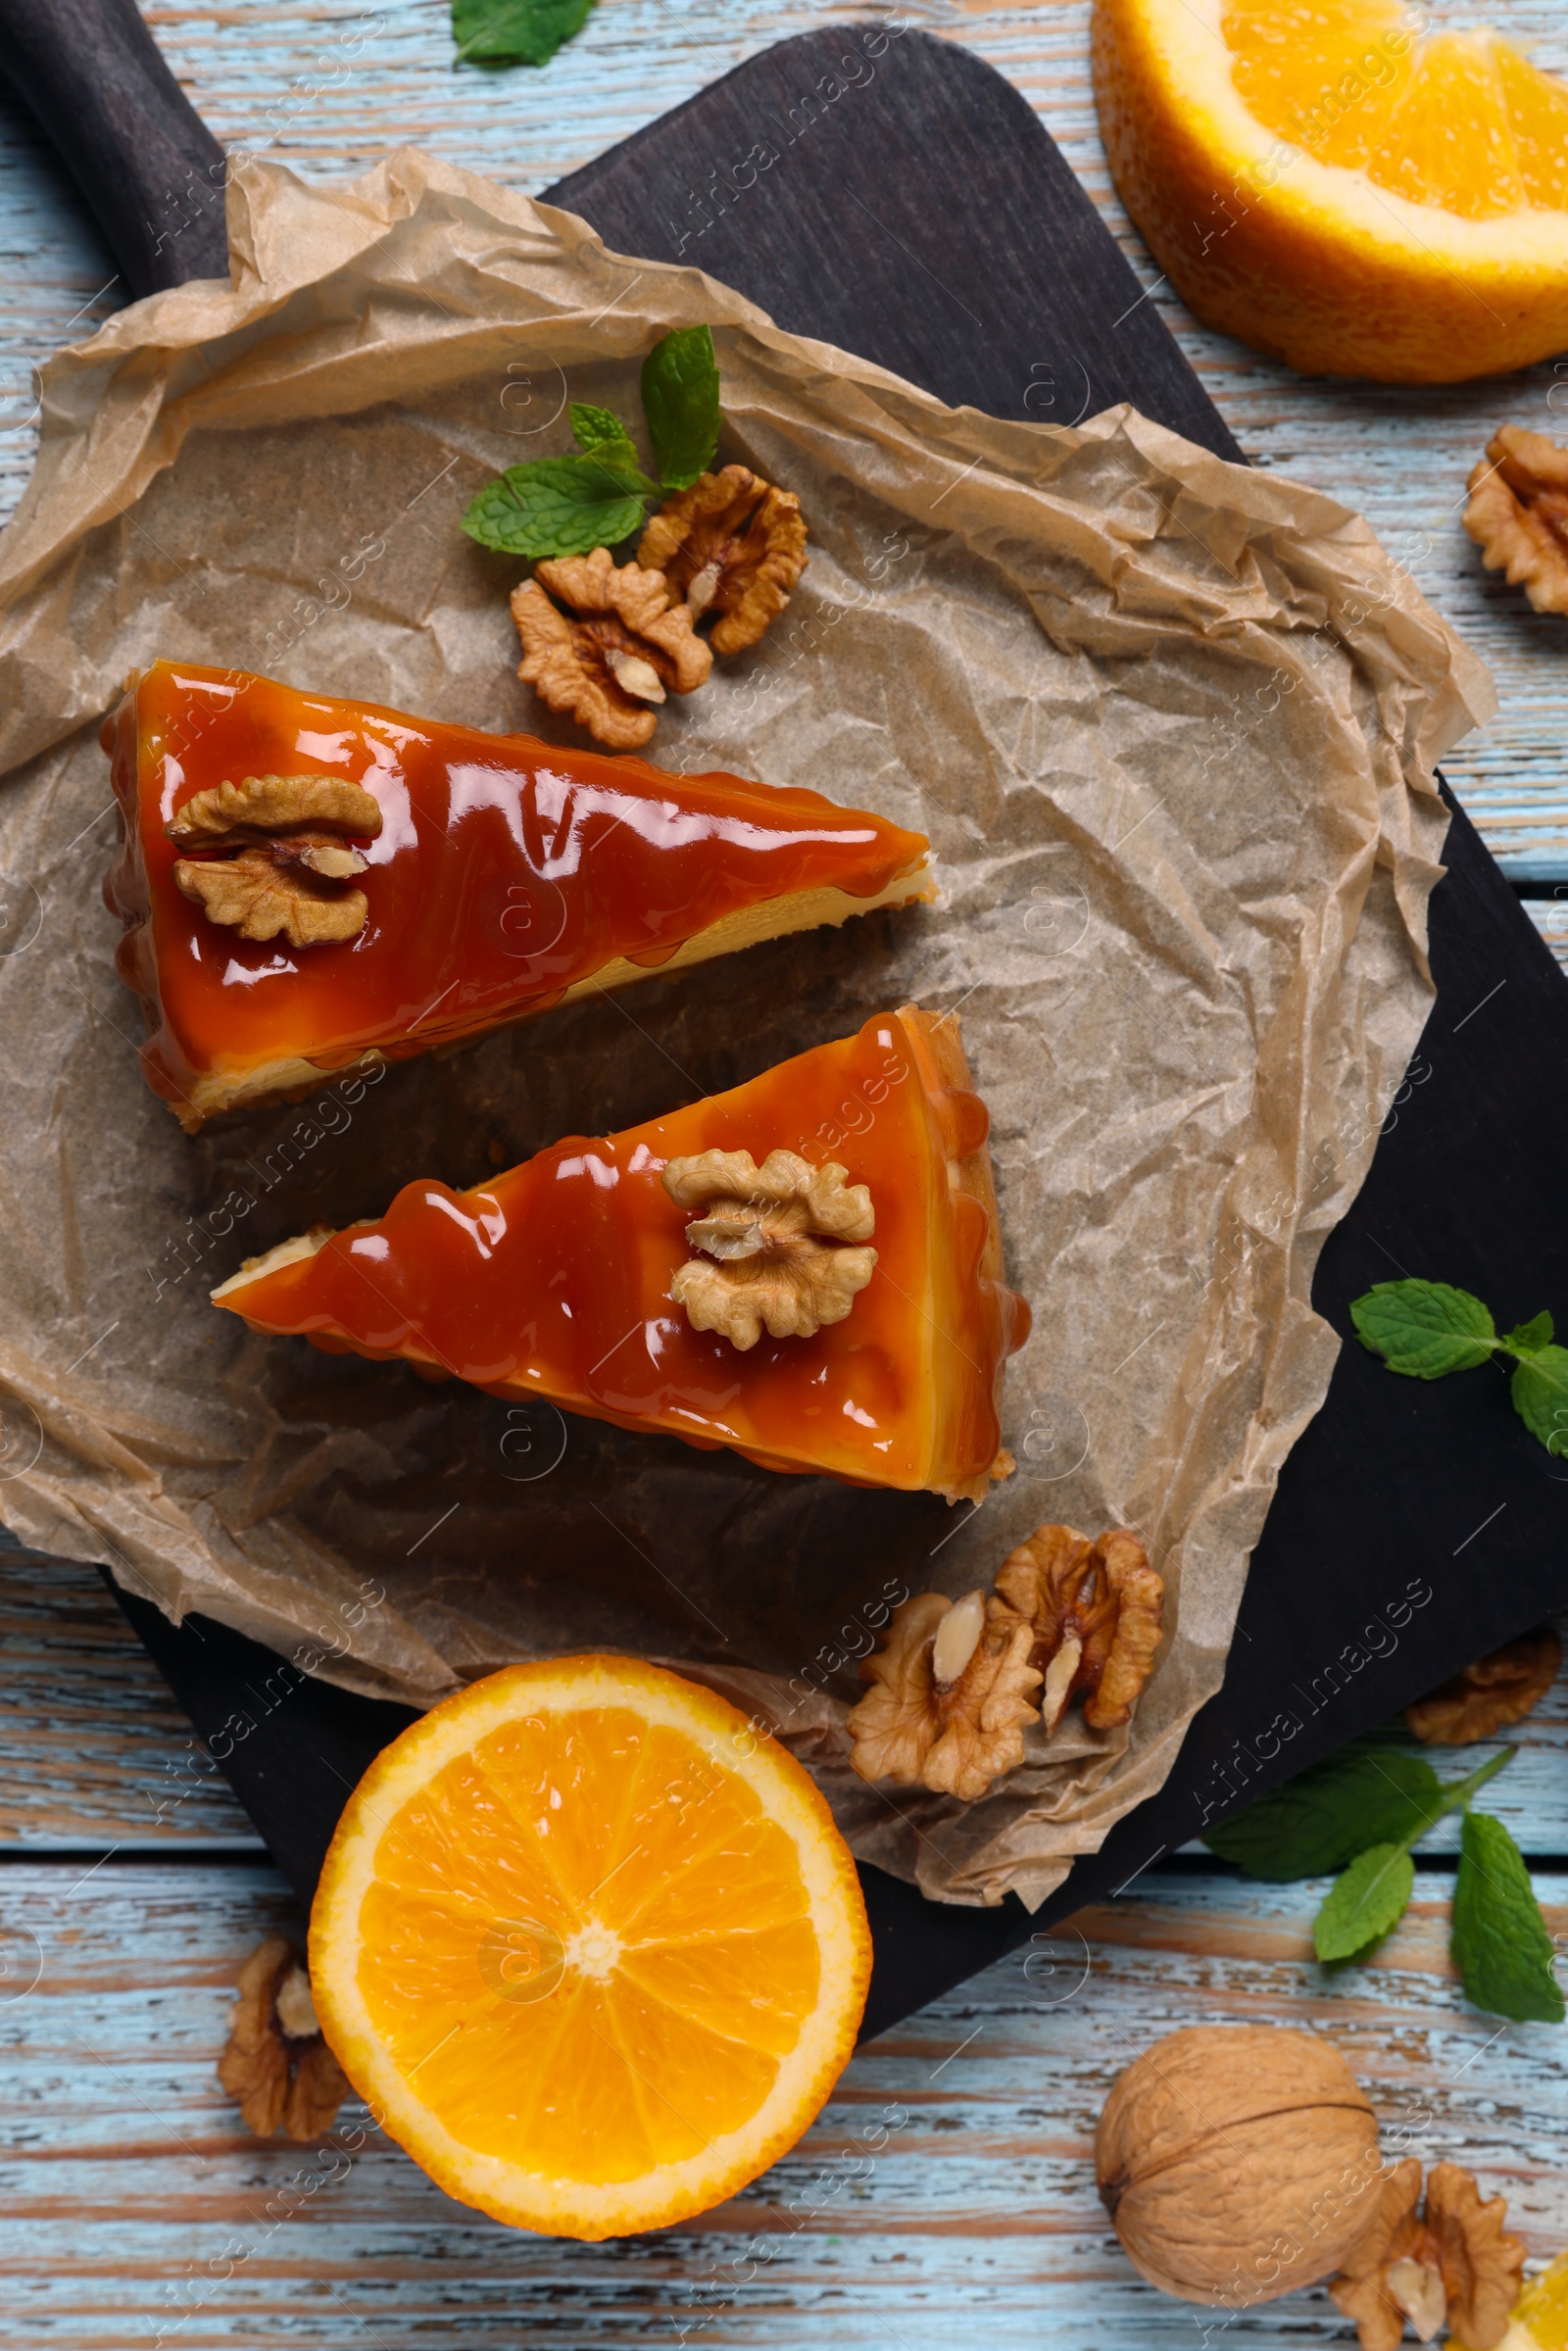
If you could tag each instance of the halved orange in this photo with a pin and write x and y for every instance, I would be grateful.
(1540, 2318)
(1338, 188)
(591, 1950)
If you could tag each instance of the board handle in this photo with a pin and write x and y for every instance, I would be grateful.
(151, 171)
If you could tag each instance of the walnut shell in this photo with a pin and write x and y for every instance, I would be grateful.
(1237, 2161)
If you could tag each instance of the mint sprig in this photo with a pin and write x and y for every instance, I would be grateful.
(1367, 1900)
(515, 32)
(598, 496)
(1425, 1330)
(1360, 1813)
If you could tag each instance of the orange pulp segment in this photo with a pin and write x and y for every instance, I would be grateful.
(1456, 119)
(1337, 187)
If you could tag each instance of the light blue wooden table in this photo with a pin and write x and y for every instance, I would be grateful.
(133, 2207)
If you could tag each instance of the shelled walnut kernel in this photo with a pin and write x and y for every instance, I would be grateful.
(774, 1242)
(276, 2061)
(951, 1694)
(731, 545)
(276, 852)
(618, 648)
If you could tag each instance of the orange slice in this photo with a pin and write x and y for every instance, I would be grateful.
(1539, 2316)
(1329, 186)
(591, 1951)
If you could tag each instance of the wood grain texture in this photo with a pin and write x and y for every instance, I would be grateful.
(94, 1753)
(947, 2185)
(129, 2198)
(328, 89)
(130, 2203)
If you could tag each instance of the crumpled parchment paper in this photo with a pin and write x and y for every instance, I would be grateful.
(1171, 726)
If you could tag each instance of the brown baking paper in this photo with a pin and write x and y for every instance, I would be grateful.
(1171, 728)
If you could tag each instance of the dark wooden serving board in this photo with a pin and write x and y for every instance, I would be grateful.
(914, 210)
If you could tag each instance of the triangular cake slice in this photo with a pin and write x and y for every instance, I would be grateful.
(583, 1275)
(306, 881)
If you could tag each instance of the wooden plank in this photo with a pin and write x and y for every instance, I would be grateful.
(125, 2177)
(948, 2182)
(1551, 918)
(328, 92)
(94, 1752)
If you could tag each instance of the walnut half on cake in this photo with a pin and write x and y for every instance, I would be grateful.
(570, 1277)
(307, 881)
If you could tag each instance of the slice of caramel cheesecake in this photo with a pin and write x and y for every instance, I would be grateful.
(305, 880)
(807, 1268)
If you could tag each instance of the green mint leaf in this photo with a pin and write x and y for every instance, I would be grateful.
(1326, 1814)
(1424, 1329)
(619, 458)
(617, 463)
(1364, 1902)
(1499, 1940)
(680, 400)
(600, 428)
(515, 32)
(557, 506)
(1540, 1391)
(1531, 1336)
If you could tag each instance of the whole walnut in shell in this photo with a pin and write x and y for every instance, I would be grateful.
(1238, 2163)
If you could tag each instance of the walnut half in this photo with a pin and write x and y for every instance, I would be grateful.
(621, 647)
(1096, 1612)
(776, 1243)
(277, 854)
(951, 1694)
(1500, 1687)
(1518, 513)
(732, 545)
(1450, 2266)
(275, 2062)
